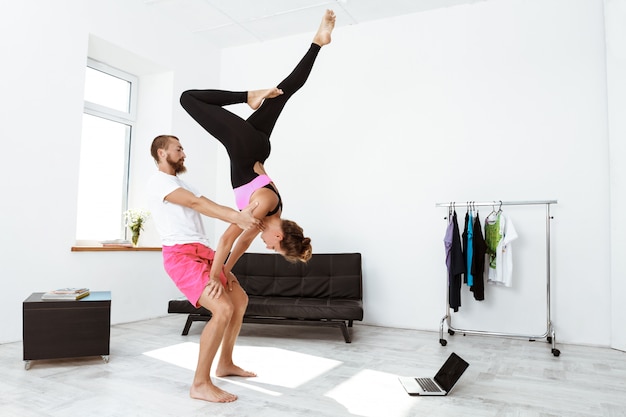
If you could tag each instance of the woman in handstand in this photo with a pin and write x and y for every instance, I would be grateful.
(248, 146)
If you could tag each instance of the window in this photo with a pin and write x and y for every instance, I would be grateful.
(108, 120)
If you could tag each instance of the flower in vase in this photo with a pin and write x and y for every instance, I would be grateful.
(134, 219)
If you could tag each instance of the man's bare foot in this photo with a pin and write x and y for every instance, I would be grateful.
(209, 392)
(256, 97)
(232, 370)
(322, 37)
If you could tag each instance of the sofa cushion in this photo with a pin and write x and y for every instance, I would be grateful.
(287, 307)
(182, 305)
(304, 308)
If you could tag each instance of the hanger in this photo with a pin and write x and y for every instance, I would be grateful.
(493, 209)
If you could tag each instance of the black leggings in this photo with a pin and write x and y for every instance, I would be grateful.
(246, 141)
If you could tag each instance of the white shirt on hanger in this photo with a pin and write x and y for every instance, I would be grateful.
(503, 272)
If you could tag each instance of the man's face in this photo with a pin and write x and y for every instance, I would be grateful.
(175, 156)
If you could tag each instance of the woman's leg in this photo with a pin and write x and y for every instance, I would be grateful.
(206, 108)
(264, 119)
(266, 116)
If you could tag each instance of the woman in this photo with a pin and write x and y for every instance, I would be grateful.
(248, 146)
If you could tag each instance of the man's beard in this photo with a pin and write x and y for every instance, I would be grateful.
(179, 167)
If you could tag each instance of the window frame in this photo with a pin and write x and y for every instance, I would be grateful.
(127, 118)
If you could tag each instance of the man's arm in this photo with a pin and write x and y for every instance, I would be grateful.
(203, 205)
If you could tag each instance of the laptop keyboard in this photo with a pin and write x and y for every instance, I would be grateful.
(428, 385)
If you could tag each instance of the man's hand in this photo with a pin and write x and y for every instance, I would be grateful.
(245, 220)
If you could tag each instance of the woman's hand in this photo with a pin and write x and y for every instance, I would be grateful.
(231, 280)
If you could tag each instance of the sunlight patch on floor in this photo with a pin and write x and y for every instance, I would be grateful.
(273, 366)
(184, 355)
(248, 385)
(363, 395)
(281, 367)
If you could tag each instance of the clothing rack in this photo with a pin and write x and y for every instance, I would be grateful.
(549, 334)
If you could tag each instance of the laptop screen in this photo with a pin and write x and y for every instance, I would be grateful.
(451, 371)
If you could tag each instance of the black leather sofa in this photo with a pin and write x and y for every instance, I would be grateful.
(326, 291)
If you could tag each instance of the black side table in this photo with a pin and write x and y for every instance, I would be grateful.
(66, 329)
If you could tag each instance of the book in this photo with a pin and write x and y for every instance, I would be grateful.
(116, 243)
(72, 290)
(71, 296)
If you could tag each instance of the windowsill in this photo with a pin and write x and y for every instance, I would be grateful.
(115, 249)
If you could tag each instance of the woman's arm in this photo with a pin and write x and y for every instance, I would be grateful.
(265, 201)
(224, 246)
(242, 245)
(243, 219)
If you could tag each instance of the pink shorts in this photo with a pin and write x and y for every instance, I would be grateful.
(189, 266)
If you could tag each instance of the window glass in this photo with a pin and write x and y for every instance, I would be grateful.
(102, 178)
(107, 90)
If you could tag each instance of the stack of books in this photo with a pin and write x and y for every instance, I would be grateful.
(66, 294)
(116, 243)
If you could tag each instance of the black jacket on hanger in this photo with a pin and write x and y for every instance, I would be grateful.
(457, 267)
(478, 261)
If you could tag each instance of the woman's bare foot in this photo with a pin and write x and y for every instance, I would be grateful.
(322, 37)
(232, 370)
(256, 97)
(209, 392)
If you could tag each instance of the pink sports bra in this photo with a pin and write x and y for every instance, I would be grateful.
(243, 193)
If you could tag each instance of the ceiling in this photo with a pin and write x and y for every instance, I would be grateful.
(227, 23)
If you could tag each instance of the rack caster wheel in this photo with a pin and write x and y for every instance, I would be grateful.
(556, 352)
(549, 339)
(451, 332)
(443, 342)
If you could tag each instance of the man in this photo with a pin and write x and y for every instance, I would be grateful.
(187, 257)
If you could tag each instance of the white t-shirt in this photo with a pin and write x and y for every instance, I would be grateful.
(176, 224)
(503, 273)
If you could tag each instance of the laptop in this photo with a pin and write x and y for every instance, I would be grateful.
(441, 383)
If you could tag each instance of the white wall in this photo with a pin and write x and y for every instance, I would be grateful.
(44, 47)
(494, 100)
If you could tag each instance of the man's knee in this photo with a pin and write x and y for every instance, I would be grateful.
(221, 308)
(240, 299)
(225, 308)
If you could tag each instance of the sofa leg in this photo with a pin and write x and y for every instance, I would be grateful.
(187, 325)
(194, 317)
(345, 331)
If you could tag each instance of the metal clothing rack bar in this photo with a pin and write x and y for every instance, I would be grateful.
(549, 334)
